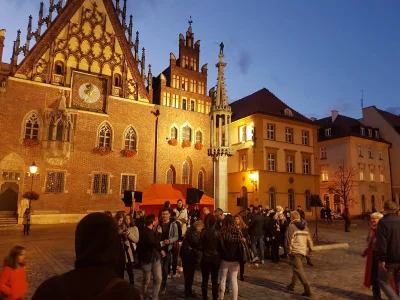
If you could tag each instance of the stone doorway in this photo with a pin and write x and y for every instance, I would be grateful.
(9, 197)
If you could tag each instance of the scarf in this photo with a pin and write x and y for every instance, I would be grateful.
(231, 234)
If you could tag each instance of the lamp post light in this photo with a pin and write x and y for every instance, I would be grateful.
(32, 169)
(254, 179)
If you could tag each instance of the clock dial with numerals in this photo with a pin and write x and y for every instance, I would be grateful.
(89, 93)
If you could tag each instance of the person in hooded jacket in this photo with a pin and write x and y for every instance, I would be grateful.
(297, 243)
(97, 245)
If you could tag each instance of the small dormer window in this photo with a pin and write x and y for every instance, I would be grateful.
(362, 131)
(117, 80)
(288, 112)
(377, 134)
(328, 132)
(59, 68)
(370, 132)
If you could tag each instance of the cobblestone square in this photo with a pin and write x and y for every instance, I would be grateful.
(337, 274)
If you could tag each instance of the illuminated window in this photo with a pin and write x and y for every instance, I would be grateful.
(243, 133)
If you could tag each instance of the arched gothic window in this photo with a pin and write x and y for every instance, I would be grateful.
(186, 173)
(32, 127)
(60, 131)
(272, 198)
(200, 181)
(170, 176)
(199, 137)
(187, 133)
(117, 80)
(105, 134)
(174, 133)
(291, 199)
(59, 68)
(130, 139)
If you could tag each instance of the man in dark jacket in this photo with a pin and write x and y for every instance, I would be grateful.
(150, 254)
(388, 242)
(256, 231)
(97, 245)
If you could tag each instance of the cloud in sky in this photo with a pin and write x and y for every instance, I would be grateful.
(244, 62)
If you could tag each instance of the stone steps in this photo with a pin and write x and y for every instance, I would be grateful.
(8, 221)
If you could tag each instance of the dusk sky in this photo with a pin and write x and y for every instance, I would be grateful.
(315, 55)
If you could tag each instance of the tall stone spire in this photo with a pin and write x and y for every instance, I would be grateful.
(220, 144)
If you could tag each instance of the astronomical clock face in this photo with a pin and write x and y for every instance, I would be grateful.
(89, 92)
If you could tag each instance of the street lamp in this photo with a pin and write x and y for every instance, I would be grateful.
(33, 169)
(253, 179)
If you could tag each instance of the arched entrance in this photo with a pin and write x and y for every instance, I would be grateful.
(363, 204)
(12, 172)
(327, 202)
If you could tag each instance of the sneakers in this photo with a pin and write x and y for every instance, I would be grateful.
(255, 259)
(262, 262)
(176, 275)
(169, 276)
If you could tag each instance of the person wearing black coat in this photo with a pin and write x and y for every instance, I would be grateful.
(257, 231)
(241, 225)
(275, 238)
(283, 225)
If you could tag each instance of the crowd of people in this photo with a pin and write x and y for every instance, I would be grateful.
(218, 244)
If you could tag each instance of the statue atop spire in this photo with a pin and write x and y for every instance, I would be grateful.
(190, 21)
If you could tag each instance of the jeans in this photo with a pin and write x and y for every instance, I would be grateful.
(146, 269)
(260, 240)
(27, 228)
(129, 270)
(233, 268)
(189, 266)
(209, 266)
(174, 254)
(165, 266)
(275, 250)
(386, 276)
(296, 261)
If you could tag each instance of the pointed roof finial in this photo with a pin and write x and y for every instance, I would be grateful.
(190, 21)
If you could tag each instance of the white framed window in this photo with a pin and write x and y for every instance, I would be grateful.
(380, 154)
(289, 135)
(186, 173)
(32, 127)
(377, 134)
(382, 177)
(100, 184)
(173, 133)
(362, 131)
(105, 135)
(200, 180)
(271, 131)
(324, 176)
(199, 137)
(291, 199)
(175, 101)
(371, 174)
(369, 132)
(328, 131)
(323, 152)
(369, 152)
(272, 197)
(243, 133)
(359, 149)
(305, 137)
(288, 112)
(55, 182)
(271, 162)
(362, 174)
(130, 139)
(243, 162)
(128, 182)
(170, 176)
(290, 164)
(187, 133)
(306, 166)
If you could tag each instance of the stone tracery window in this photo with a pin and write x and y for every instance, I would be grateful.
(199, 137)
(130, 139)
(186, 173)
(187, 133)
(105, 135)
(32, 127)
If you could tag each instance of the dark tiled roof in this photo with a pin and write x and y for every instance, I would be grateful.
(392, 119)
(263, 102)
(344, 126)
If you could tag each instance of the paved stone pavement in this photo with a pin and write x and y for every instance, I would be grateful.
(337, 274)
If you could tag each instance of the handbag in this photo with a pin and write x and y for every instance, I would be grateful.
(245, 254)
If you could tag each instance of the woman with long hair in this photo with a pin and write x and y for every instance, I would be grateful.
(230, 239)
(13, 283)
(131, 237)
(27, 221)
(283, 226)
(241, 225)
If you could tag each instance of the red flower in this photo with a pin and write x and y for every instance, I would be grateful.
(173, 142)
(129, 153)
(103, 151)
(198, 146)
(31, 195)
(31, 143)
(186, 143)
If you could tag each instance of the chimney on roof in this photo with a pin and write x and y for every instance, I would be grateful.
(2, 38)
(313, 119)
(335, 113)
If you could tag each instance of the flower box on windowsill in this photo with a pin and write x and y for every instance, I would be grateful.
(103, 151)
(198, 146)
(31, 143)
(129, 153)
(186, 144)
(173, 142)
